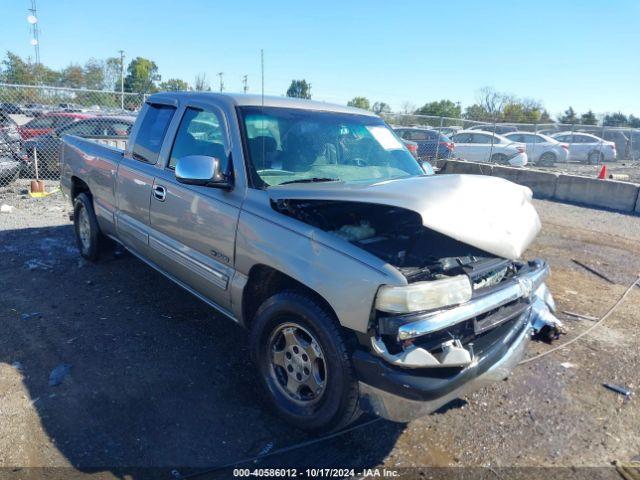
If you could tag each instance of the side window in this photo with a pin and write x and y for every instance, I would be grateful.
(83, 129)
(480, 138)
(462, 138)
(43, 122)
(200, 133)
(151, 134)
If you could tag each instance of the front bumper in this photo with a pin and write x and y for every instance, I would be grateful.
(402, 396)
(413, 383)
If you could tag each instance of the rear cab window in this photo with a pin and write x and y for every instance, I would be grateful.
(151, 134)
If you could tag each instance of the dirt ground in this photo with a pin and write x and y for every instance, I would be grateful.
(157, 381)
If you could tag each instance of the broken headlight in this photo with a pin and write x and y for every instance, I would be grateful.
(424, 295)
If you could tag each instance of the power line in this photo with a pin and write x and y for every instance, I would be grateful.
(221, 75)
(121, 79)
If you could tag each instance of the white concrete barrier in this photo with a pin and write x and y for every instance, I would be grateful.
(600, 193)
(542, 183)
(615, 195)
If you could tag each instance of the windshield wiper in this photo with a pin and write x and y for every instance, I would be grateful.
(312, 180)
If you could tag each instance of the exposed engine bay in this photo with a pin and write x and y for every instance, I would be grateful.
(397, 236)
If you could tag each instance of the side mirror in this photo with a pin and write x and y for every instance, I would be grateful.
(201, 170)
(427, 168)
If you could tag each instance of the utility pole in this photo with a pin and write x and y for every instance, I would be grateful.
(32, 18)
(121, 79)
(245, 85)
(221, 74)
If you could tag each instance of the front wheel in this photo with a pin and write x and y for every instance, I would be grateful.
(303, 363)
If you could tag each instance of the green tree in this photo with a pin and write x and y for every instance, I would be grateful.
(142, 76)
(569, 117)
(15, 70)
(93, 71)
(174, 85)
(615, 120)
(634, 122)
(381, 107)
(202, 84)
(299, 89)
(359, 102)
(588, 118)
(111, 74)
(442, 108)
(476, 112)
(72, 76)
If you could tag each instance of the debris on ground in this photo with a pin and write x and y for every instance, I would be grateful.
(27, 316)
(567, 365)
(35, 264)
(618, 389)
(4, 208)
(592, 270)
(58, 374)
(579, 315)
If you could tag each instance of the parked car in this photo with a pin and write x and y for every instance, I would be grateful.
(449, 131)
(541, 149)
(10, 108)
(49, 122)
(412, 147)
(497, 128)
(365, 284)
(431, 144)
(35, 109)
(481, 146)
(587, 148)
(47, 146)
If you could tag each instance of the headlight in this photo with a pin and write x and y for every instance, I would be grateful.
(424, 295)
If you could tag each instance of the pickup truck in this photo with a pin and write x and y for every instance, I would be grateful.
(366, 285)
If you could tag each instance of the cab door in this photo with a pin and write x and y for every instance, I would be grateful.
(134, 178)
(193, 227)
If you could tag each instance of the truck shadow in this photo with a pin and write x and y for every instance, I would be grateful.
(157, 380)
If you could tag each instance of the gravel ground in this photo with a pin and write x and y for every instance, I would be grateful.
(158, 380)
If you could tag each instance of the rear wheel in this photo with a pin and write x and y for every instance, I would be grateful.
(88, 236)
(595, 158)
(303, 363)
(499, 158)
(547, 159)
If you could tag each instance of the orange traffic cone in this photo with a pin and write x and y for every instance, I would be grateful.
(603, 173)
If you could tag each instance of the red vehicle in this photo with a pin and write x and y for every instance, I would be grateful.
(49, 122)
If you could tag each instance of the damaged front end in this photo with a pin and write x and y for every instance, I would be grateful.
(469, 304)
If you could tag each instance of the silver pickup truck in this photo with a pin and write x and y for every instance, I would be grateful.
(365, 284)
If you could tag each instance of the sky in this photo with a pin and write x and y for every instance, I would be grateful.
(581, 53)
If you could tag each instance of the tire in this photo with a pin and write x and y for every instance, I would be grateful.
(499, 158)
(85, 224)
(595, 158)
(292, 324)
(547, 159)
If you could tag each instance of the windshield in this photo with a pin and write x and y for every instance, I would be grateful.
(291, 145)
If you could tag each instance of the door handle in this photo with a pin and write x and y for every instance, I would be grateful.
(159, 192)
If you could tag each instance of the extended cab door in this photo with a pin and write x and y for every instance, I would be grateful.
(193, 227)
(135, 176)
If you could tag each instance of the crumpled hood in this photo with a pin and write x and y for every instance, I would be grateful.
(489, 213)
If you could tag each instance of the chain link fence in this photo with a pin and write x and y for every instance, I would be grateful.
(33, 119)
(567, 147)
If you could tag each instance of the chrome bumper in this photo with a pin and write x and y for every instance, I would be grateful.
(524, 286)
(400, 409)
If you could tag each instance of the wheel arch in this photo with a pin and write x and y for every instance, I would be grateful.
(264, 281)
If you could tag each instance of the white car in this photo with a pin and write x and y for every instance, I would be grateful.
(587, 148)
(541, 149)
(481, 146)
